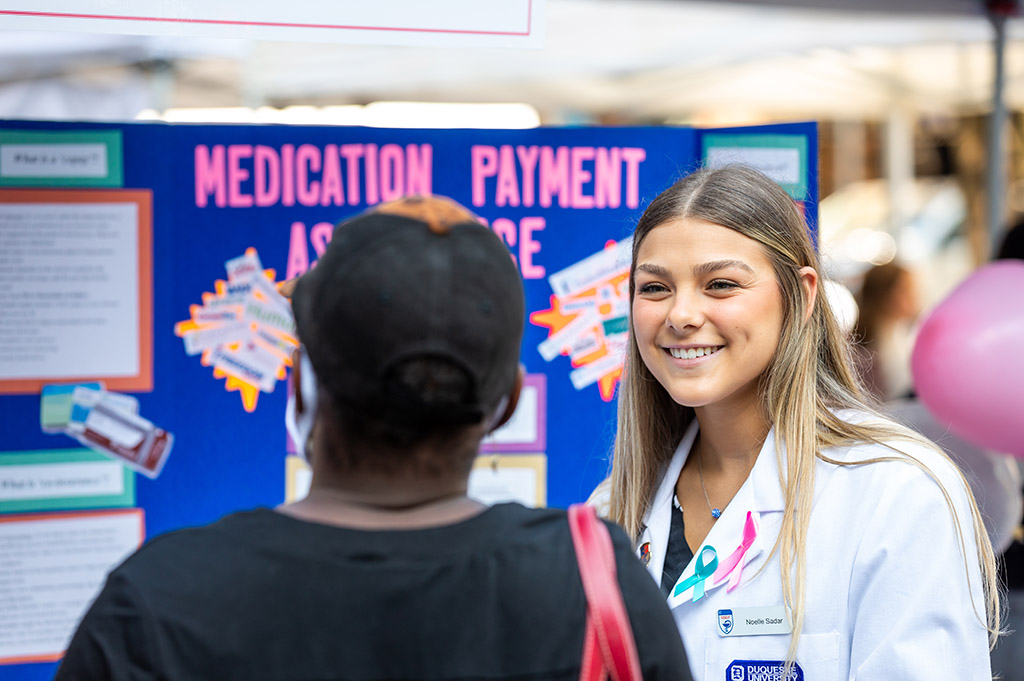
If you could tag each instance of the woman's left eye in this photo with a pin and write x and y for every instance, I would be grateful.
(722, 285)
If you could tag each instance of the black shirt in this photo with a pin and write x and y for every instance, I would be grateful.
(677, 552)
(261, 595)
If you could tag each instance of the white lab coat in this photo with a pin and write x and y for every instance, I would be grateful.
(887, 595)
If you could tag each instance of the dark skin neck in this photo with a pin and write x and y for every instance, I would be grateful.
(335, 507)
(374, 500)
(429, 492)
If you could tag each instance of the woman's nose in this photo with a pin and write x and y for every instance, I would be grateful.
(686, 312)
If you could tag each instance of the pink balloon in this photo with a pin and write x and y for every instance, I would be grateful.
(968, 359)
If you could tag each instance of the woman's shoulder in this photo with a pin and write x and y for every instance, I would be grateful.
(601, 498)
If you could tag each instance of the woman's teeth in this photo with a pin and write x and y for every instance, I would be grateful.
(691, 353)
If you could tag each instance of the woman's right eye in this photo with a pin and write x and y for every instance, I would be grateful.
(651, 287)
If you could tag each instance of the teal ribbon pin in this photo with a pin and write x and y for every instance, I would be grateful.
(700, 574)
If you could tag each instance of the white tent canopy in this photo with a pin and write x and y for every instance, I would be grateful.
(635, 61)
(639, 59)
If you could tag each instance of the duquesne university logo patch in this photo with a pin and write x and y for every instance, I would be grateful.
(762, 670)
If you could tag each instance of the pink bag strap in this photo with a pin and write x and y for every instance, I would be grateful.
(608, 646)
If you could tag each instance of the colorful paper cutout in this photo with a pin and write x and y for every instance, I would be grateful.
(588, 320)
(244, 330)
(106, 422)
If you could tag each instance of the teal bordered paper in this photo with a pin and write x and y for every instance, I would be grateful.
(87, 158)
(60, 479)
(781, 157)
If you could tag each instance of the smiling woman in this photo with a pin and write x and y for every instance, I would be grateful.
(707, 313)
(747, 458)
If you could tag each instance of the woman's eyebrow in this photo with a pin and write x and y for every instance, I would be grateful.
(706, 268)
(656, 270)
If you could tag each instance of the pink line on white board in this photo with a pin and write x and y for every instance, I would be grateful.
(225, 22)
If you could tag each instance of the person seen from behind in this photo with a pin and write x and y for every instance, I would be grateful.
(410, 328)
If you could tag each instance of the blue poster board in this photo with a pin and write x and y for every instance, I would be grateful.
(562, 199)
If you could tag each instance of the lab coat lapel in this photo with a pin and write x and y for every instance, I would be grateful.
(760, 494)
(659, 517)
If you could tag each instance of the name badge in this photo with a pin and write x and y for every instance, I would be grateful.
(753, 621)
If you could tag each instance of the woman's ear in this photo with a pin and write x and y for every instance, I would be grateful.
(510, 403)
(809, 282)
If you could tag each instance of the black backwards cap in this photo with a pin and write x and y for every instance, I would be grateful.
(414, 278)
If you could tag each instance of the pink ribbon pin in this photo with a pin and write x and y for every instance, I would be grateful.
(734, 563)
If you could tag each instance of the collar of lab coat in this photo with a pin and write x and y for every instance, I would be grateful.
(760, 494)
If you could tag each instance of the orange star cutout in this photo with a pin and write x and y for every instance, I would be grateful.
(553, 319)
(606, 384)
(247, 391)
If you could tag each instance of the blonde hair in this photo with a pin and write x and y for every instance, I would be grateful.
(810, 377)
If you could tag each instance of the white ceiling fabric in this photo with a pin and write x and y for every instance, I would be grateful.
(643, 58)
